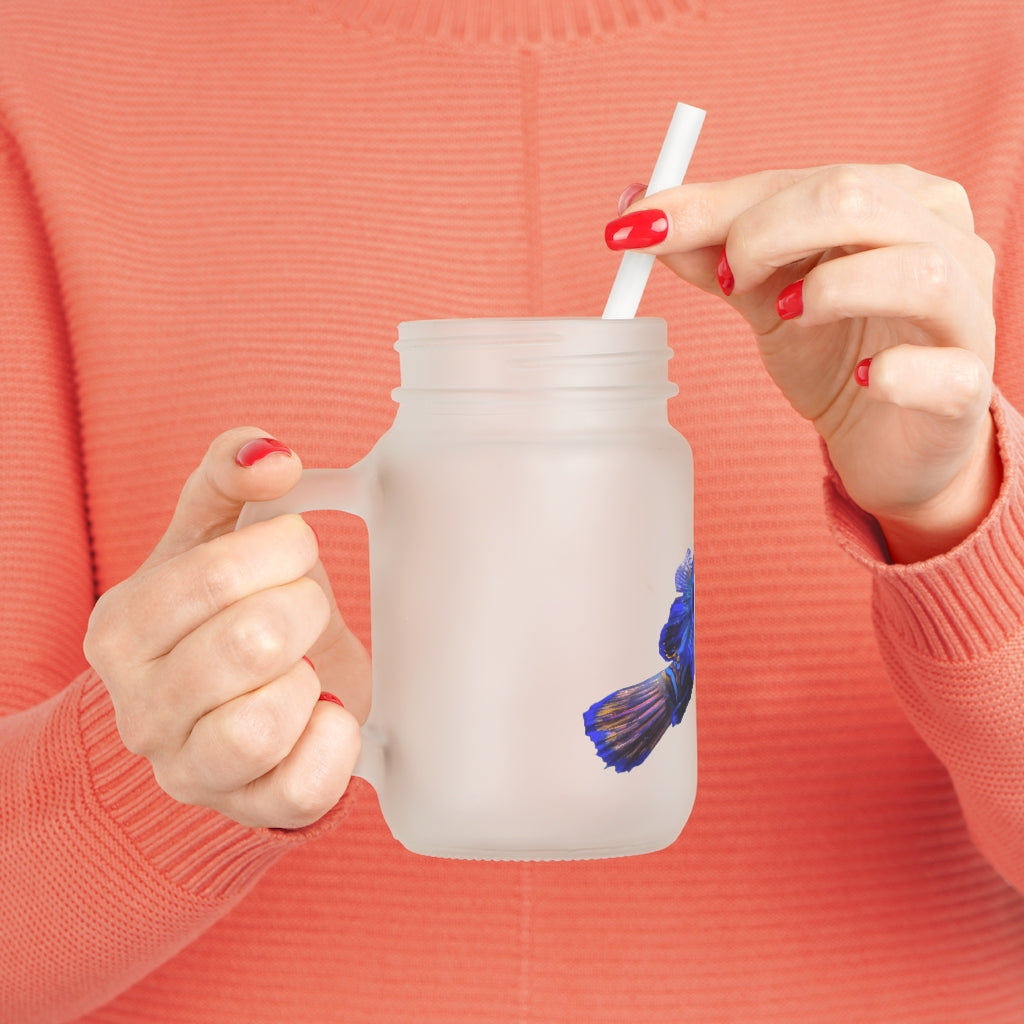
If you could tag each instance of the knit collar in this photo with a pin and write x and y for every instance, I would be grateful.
(523, 22)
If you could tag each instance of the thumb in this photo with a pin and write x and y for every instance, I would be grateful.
(244, 464)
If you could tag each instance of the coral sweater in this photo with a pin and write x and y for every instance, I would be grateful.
(214, 213)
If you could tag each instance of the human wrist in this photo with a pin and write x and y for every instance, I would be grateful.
(194, 849)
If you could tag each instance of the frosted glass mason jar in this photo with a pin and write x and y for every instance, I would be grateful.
(530, 520)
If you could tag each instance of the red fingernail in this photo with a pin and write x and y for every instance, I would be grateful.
(724, 274)
(628, 195)
(309, 663)
(637, 230)
(252, 451)
(330, 697)
(790, 303)
(861, 373)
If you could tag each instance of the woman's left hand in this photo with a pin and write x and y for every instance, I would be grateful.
(870, 297)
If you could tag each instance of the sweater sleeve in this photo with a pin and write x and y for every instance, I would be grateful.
(951, 631)
(102, 876)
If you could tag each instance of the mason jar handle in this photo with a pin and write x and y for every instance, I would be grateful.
(332, 490)
(339, 490)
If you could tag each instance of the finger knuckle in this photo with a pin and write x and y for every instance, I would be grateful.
(104, 642)
(953, 195)
(970, 383)
(253, 732)
(849, 195)
(309, 795)
(255, 641)
(902, 173)
(931, 271)
(315, 604)
(178, 783)
(957, 384)
(221, 581)
(96, 644)
(950, 201)
(136, 729)
(827, 292)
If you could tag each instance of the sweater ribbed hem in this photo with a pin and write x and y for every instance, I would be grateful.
(522, 22)
(962, 604)
(196, 849)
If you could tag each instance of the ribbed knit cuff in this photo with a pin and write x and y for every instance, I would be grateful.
(964, 603)
(196, 849)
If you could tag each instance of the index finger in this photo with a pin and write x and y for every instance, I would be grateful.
(174, 597)
(701, 214)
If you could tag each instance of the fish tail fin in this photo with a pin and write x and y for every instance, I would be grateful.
(680, 675)
(626, 725)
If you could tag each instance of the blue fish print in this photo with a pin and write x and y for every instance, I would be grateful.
(626, 725)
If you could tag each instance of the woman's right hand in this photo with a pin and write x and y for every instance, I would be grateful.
(202, 650)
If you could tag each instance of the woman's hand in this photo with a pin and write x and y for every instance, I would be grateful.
(837, 266)
(203, 650)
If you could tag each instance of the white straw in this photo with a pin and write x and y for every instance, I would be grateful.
(674, 158)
